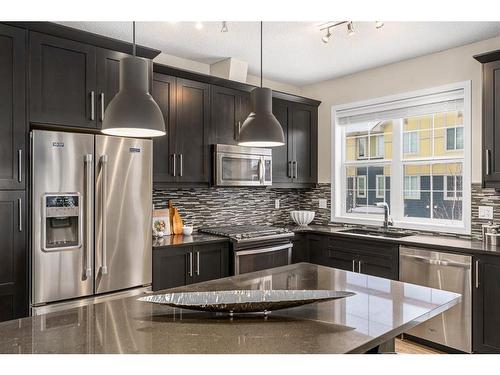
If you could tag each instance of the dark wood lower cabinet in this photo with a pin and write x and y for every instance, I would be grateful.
(300, 250)
(317, 249)
(177, 266)
(486, 305)
(13, 266)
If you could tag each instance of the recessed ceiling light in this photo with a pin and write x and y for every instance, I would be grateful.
(379, 24)
(199, 25)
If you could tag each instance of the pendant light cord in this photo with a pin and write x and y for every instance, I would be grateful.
(133, 38)
(260, 53)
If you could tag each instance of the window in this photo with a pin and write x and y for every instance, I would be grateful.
(361, 186)
(410, 142)
(455, 138)
(380, 186)
(411, 189)
(409, 150)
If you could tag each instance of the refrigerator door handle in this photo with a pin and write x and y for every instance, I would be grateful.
(88, 213)
(104, 194)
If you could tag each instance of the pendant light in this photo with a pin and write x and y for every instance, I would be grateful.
(133, 111)
(261, 128)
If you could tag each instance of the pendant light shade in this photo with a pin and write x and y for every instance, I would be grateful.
(261, 128)
(133, 111)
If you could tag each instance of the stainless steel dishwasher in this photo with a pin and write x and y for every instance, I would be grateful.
(451, 272)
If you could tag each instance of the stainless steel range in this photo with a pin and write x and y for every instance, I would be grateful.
(256, 247)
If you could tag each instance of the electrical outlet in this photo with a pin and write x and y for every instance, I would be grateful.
(322, 203)
(276, 203)
(486, 212)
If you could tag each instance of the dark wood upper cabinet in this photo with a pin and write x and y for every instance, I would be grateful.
(486, 305)
(108, 79)
(12, 108)
(164, 93)
(229, 109)
(62, 81)
(297, 161)
(305, 143)
(191, 132)
(13, 263)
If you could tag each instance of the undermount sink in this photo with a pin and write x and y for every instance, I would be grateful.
(377, 233)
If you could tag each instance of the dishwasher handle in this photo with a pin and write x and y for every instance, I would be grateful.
(436, 262)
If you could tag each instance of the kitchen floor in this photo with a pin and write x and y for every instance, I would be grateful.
(408, 347)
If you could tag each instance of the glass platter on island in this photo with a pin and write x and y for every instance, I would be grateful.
(244, 301)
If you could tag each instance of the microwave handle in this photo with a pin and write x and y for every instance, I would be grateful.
(261, 170)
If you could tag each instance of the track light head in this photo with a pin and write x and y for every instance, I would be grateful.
(350, 29)
(327, 37)
(379, 24)
(224, 28)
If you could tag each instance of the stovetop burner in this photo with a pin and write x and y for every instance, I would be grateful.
(243, 232)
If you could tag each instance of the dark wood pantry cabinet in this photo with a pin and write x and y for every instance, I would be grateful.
(12, 108)
(182, 265)
(13, 260)
(486, 305)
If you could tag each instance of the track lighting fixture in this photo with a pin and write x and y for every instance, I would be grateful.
(350, 29)
(224, 28)
(379, 24)
(326, 38)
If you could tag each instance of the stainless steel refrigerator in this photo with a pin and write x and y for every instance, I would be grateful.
(91, 216)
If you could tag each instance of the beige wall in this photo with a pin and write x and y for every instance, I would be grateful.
(453, 65)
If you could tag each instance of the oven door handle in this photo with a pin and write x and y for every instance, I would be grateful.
(264, 249)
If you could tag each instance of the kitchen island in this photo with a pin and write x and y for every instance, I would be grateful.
(381, 310)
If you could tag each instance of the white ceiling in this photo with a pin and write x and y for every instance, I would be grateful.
(293, 51)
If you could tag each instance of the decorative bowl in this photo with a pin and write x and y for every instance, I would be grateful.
(244, 301)
(187, 230)
(302, 217)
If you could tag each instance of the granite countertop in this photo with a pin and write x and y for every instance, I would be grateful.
(180, 240)
(434, 242)
(380, 310)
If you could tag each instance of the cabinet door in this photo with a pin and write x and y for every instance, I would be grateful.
(344, 259)
(191, 132)
(282, 155)
(304, 120)
(491, 124)
(300, 250)
(210, 262)
(12, 108)
(171, 267)
(318, 249)
(486, 305)
(229, 108)
(62, 81)
(13, 261)
(163, 147)
(108, 79)
(381, 266)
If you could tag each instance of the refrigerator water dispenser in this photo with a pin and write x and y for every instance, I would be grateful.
(62, 222)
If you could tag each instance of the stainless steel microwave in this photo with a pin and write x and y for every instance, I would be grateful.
(242, 166)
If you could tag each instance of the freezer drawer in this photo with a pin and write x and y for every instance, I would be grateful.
(451, 272)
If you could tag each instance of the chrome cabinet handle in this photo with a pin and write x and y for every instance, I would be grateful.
(296, 169)
(198, 263)
(487, 158)
(290, 169)
(477, 274)
(354, 265)
(92, 105)
(359, 266)
(88, 204)
(20, 214)
(237, 130)
(104, 194)
(101, 99)
(20, 165)
(174, 157)
(180, 165)
(190, 273)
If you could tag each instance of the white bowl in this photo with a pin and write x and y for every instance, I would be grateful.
(302, 217)
(187, 230)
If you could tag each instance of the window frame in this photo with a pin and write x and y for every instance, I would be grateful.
(338, 172)
(454, 138)
(412, 132)
(445, 188)
(358, 195)
(418, 190)
(377, 187)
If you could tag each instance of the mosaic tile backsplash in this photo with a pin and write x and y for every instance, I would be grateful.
(230, 206)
